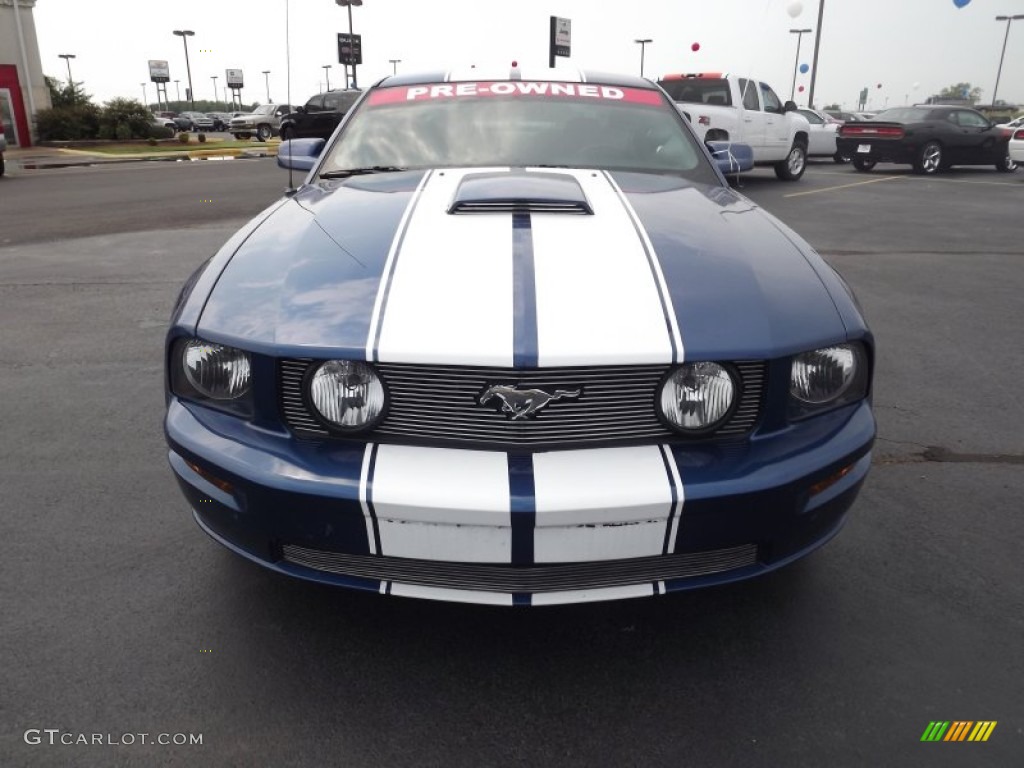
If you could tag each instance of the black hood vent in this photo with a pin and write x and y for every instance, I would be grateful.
(520, 192)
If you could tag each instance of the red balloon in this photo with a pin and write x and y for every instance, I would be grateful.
(801, 89)
(695, 47)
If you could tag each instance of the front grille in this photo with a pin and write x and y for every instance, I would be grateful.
(439, 405)
(555, 577)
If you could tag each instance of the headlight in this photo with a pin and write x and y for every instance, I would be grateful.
(216, 371)
(827, 377)
(697, 397)
(347, 394)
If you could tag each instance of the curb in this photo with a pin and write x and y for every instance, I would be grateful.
(65, 158)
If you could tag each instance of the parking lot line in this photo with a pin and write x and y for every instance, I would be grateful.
(844, 186)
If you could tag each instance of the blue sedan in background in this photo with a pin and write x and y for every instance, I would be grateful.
(515, 340)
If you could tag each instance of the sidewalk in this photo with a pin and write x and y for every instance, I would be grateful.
(19, 158)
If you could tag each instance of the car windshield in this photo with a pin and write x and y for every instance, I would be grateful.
(519, 124)
(265, 109)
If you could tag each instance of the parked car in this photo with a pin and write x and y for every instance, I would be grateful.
(489, 351)
(840, 115)
(726, 107)
(1016, 145)
(221, 120)
(263, 122)
(930, 138)
(193, 121)
(3, 148)
(163, 122)
(823, 131)
(1014, 124)
(319, 116)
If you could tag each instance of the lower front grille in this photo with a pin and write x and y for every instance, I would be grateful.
(554, 577)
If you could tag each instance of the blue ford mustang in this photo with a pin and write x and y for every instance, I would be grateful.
(516, 341)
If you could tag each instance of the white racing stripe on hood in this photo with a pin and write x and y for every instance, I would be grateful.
(450, 296)
(600, 295)
(600, 504)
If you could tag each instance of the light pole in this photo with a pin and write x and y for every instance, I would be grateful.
(67, 58)
(1009, 20)
(144, 99)
(185, 34)
(214, 78)
(266, 78)
(394, 65)
(799, 36)
(327, 72)
(177, 90)
(643, 47)
(348, 4)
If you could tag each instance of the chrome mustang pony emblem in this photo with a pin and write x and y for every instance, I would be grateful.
(520, 403)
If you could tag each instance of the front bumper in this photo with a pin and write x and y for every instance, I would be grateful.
(547, 527)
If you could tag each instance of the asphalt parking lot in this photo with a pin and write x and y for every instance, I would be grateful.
(123, 618)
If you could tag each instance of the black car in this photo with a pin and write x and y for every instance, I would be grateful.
(930, 138)
(318, 118)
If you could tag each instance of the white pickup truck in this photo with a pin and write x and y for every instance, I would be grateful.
(724, 107)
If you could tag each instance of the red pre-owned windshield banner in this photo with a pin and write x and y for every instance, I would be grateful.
(582, 91)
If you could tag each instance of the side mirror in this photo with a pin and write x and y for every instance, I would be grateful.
(301, 110)
(789, 106)
(299, 154)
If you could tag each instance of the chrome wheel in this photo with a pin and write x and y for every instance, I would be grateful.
(792, 168)
(930, 159)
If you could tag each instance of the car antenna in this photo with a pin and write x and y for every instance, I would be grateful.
(288, 89)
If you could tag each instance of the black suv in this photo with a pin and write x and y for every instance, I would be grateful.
(320, 115)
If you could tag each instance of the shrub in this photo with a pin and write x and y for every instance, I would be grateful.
(183, 137)
(68, 123)
(202, 138)
(151, 141)
(125, 119)
(159, 132)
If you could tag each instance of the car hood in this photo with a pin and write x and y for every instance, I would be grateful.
(660, 270)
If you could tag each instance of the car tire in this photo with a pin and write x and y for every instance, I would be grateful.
(1, 165)
(263, 132)
(1007, 164)
(929, 159)
(793, 167)
(839, 159)
(243, 136)
(863, 165)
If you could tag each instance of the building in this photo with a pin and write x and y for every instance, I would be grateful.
(22, 89)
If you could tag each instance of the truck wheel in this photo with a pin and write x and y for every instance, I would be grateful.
(792, 168)
(929, 158)
(1, 165)
(242, 136)
(863, 165)
(263, 132)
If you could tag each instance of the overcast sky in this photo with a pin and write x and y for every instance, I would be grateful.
(912, 48)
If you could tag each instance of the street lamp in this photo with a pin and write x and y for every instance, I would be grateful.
(394, 65)
(348, 4)
(1009, 20)
(67, 58)
(643, 47)
(144, 99)
(185, 34)
(177, 90)
(214, 78)
(327, 72)
(266, 78)
(799, 36)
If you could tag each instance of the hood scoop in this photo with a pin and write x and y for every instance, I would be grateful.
(519, 192)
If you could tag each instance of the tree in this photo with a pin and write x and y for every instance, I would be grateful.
(68, 95)
(961, 91)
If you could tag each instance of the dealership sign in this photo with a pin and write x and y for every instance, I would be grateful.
(234, 78)
(159, 72)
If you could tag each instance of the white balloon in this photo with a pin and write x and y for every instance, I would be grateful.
(916, 86)
(795, 9)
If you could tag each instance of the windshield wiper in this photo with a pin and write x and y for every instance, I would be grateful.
(346, 172)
